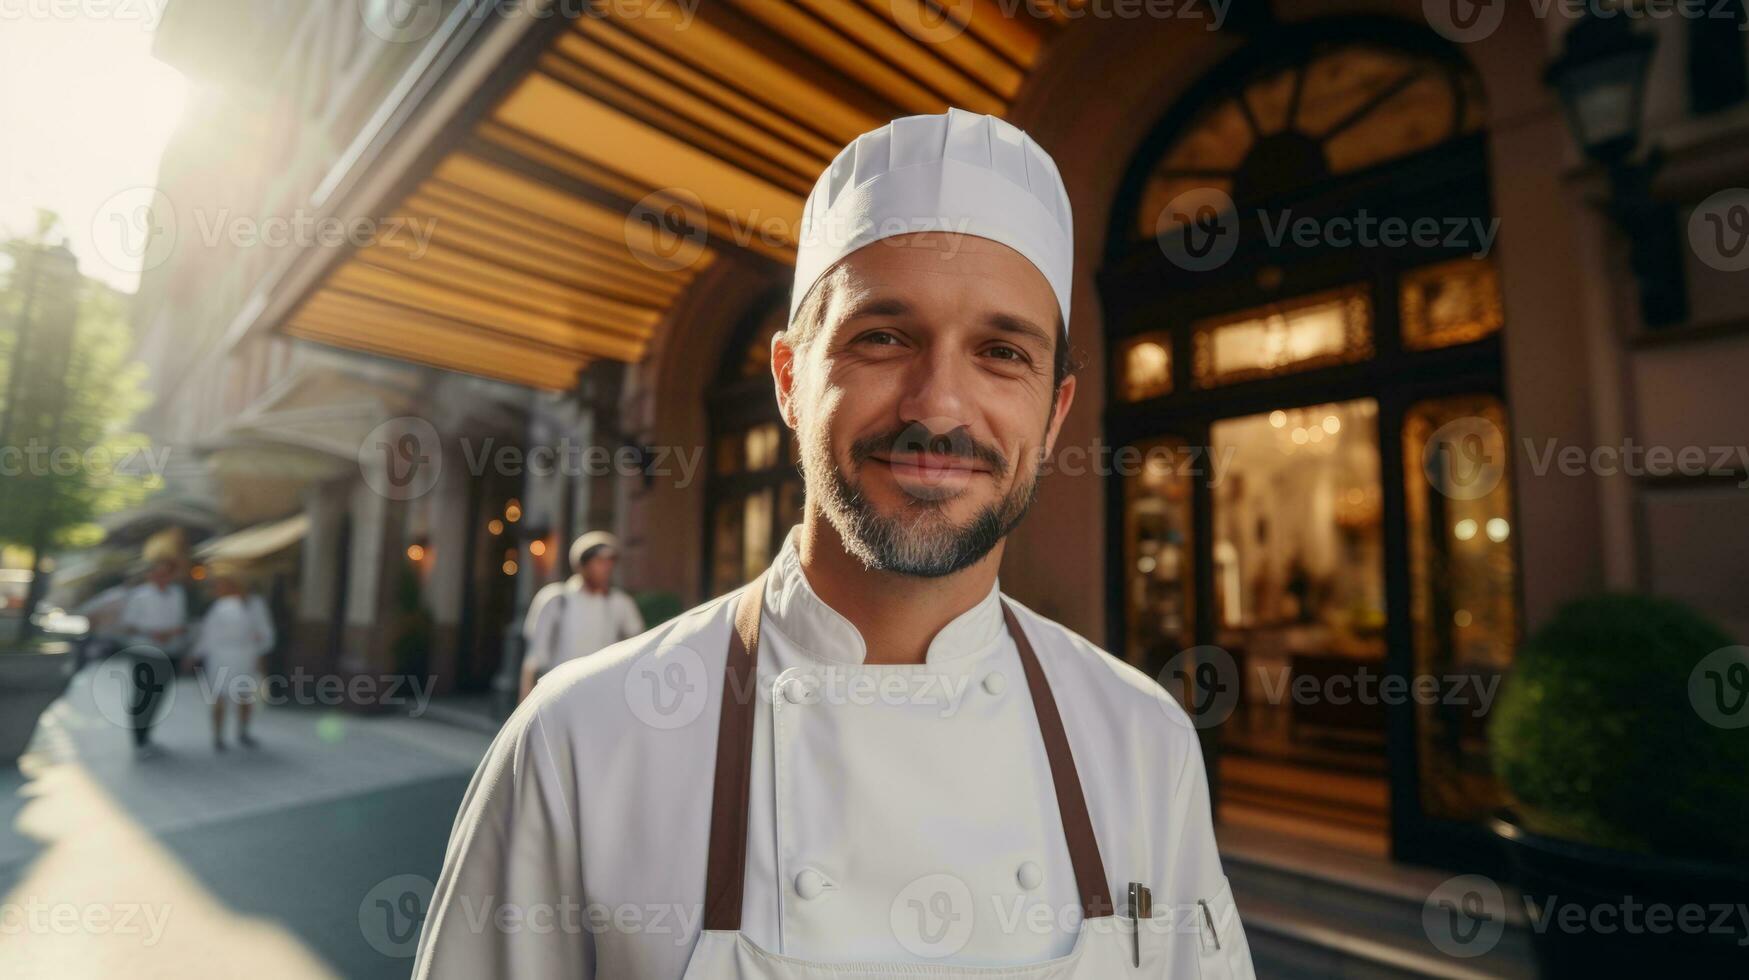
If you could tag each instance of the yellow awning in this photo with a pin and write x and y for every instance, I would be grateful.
(255, 543)
(636, 148)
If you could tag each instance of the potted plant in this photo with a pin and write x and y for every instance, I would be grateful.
(1630, 828)
(32, 676)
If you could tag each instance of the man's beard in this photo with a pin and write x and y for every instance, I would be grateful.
(920, 541)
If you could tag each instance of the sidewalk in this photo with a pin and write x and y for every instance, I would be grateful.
(297, 859)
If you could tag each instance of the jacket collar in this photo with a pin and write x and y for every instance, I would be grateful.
(822, 633)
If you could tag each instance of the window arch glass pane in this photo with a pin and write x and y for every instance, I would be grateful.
(1339, 109)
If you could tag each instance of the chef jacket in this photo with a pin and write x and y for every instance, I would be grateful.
(581, 844)
(566, 621)
(150, 609)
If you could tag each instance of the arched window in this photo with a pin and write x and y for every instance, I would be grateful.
(1310, 371)
(754, 494)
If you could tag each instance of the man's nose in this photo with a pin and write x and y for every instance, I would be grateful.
(937, 393)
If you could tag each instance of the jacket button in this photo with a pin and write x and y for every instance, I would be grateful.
(810, 883)
(1030, 876)
(794, 691)
(995, 684)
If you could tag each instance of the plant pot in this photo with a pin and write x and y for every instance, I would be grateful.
(30, 680)
(1592, 910)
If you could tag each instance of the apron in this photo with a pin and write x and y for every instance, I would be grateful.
(1108, 944)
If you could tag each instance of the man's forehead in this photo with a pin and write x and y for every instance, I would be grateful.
(916, 270)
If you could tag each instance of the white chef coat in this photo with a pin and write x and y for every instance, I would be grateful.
(150, 609)
(566, 621)
(232, 635)
(581, 846)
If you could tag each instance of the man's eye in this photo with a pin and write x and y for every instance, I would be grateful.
(880, 337)
(1007, 353)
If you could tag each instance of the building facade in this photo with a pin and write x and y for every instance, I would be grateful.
(1373, 367)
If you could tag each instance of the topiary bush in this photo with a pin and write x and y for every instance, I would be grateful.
(1596, 738)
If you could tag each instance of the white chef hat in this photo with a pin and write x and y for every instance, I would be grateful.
(961, 172)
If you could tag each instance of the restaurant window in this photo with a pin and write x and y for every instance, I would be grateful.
(755, 492)
(1338, 510)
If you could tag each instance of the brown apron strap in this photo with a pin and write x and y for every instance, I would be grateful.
(1071, 801)
(726, 873)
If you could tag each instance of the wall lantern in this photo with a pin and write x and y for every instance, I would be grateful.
(1601, 79)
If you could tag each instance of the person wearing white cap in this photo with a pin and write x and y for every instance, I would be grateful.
(580, 615)
(869, 761)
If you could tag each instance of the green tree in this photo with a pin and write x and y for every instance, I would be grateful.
(68, 394)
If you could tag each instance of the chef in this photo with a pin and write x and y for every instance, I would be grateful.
(580, 615)
(869, 761)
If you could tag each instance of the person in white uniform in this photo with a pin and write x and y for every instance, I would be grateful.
(869, 761)
(580, 615)
(154, 628)
(234, 636)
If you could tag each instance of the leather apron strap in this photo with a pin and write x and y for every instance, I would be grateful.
(726, 875)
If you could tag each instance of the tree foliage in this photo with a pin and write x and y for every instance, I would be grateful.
(69, 391)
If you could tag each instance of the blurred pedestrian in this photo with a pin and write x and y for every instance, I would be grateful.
(580, 615)
(154, 623)
(234, 637)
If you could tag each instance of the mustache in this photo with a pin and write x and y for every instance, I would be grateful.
(916, 437)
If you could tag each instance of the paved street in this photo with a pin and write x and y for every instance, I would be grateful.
(303, 858)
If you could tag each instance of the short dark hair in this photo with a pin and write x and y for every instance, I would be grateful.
(812, 314)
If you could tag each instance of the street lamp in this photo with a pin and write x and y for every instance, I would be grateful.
(1601, 78)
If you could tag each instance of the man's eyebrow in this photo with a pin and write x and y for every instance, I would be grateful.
(1018, 324)
(877, 306)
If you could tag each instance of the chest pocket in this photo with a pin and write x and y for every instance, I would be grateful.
(1222, 952)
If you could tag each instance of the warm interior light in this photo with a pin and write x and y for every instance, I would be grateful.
(415, 552)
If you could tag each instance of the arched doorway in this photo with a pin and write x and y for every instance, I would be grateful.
(754, 493)
(1304, 316)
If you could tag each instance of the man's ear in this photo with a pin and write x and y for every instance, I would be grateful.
(1060, 411)
(783, 374)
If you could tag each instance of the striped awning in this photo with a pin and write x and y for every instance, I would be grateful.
(635, 148)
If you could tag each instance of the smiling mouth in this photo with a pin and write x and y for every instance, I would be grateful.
(931, 467)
